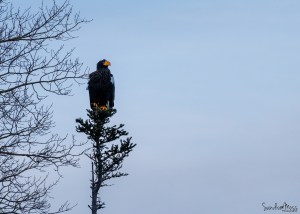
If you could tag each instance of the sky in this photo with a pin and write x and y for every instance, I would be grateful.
(209, 91)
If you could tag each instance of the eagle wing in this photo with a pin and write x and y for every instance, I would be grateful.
(93, 86)
(101, 88)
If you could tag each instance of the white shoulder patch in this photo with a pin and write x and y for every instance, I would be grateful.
(112, 79)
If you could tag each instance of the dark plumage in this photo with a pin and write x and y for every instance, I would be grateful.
(101, 86)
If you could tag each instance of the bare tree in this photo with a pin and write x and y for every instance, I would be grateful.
(30, 70)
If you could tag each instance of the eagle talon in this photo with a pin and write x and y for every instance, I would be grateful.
(95, 105)
(103, 108)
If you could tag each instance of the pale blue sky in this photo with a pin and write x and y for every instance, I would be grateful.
(209, 90)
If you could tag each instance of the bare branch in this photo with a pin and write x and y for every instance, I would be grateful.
(30, 70)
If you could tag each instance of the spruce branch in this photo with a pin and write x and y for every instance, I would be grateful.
(107, 161)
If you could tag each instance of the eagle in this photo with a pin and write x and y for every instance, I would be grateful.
(101, 87)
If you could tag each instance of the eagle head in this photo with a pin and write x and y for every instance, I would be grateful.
(103, 64)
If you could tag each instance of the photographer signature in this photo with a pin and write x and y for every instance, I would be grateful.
(284, 207)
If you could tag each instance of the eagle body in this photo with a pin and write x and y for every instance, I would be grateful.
(101, 86)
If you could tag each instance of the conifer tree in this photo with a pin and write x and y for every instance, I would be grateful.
(106, 157)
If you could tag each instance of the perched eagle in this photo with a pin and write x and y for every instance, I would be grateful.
(101, 86)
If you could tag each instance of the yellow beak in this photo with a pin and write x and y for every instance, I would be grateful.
(106, 63)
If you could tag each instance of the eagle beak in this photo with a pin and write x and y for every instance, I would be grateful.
(106, 63)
